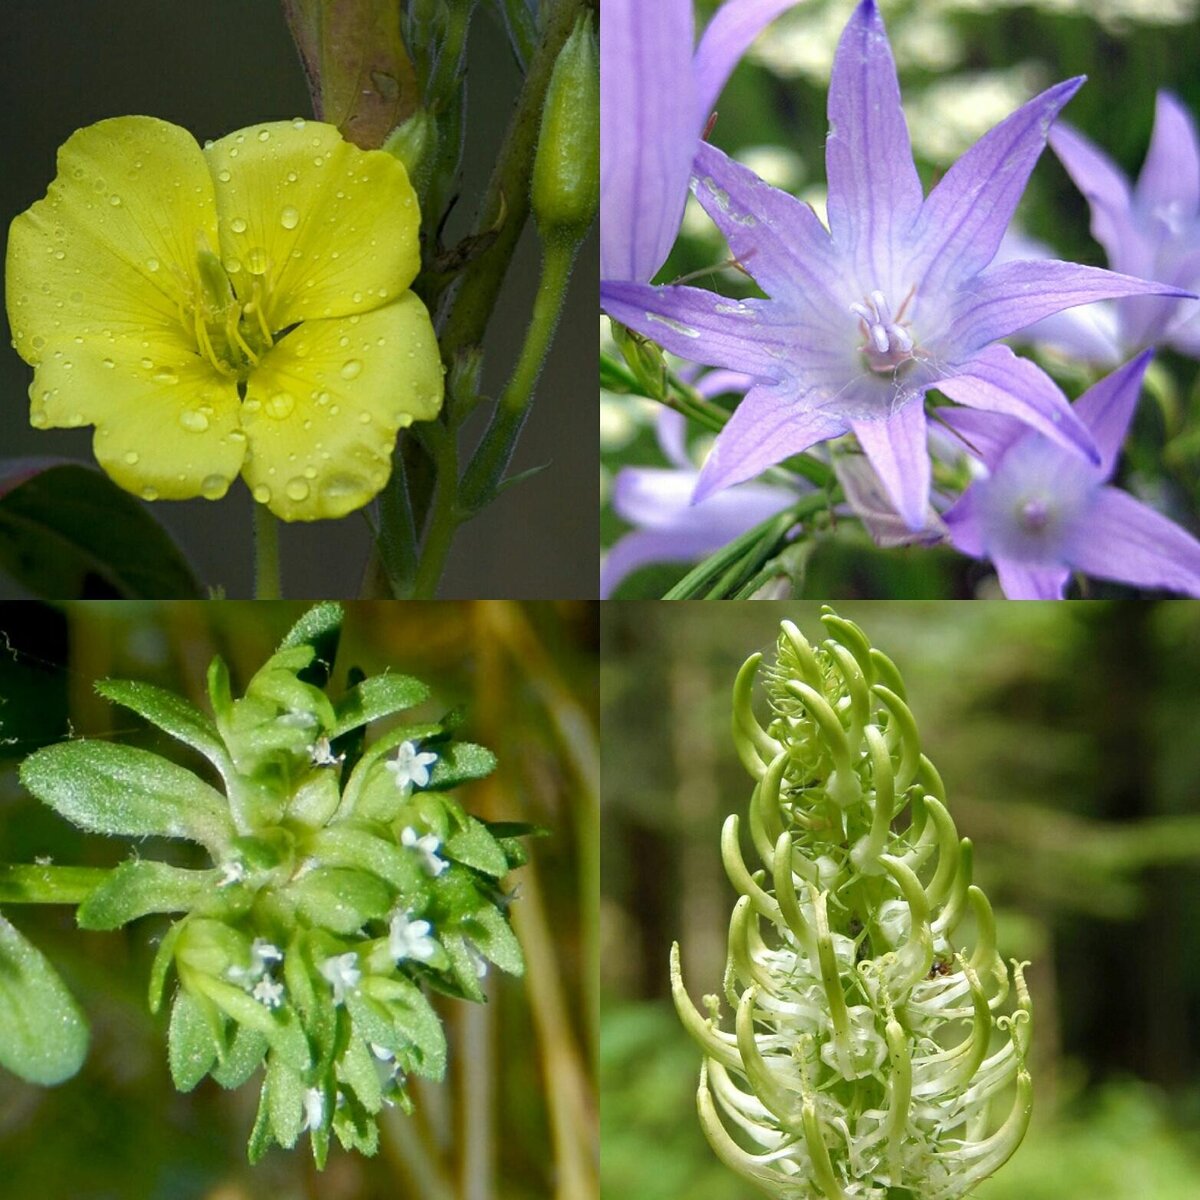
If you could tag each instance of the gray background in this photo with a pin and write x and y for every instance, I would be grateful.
(216, 66)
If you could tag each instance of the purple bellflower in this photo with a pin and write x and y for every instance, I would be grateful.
(1042, 511)
(1151, 228)
(655, 99)
(668, 527)
(892, 299)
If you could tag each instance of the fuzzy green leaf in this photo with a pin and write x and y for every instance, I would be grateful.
(191, 1046)
(414, 1026)
(285, 1098)
(115, 789)
(349, 846)
(141, 886)
(476, 847)
(171, 713)
(459, 762)
(320, 628)
(357, 1068)
(463, 965)
(340, 900)
(43, 1034)
(377, 697)
(164, 956)
(493, 937)
(242, 1059)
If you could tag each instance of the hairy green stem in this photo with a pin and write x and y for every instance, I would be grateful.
(443, 517)
(33, 884)
(266, 554)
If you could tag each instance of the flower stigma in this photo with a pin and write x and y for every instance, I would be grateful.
(888, 343)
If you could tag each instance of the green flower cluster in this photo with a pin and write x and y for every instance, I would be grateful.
(344, 880)
(870, 1045)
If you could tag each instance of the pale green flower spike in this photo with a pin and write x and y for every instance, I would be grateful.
(335, 897)
(871, 1041)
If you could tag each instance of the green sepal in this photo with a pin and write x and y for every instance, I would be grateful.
(242, 1059)
(463, 966)
(279, 1026)
(494, 939)
(109, 788)
(140, 886)
(509, 834)
(459, 762)
(285, 687)
(414, 1024)
(285, 1100)
(164, 956)
(312, 998)
(356, 1068)
(349, 845)
(377, 697)
(340, 899)
(474, 846)
(220, 694)
(192, 1048)
(355, 1127)
(43, 1033)
(170, 713)
(260, 1135)
(320, 628)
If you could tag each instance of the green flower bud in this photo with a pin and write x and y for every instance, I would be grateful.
(415, 143)
(870, 1034)
(566, 170)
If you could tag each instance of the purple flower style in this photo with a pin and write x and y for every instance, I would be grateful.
(656, 96)
(657, 502)
(1042, 511)
(1151, 229)
(891, 300)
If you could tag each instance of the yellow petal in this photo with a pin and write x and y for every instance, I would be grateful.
(330, 227)
(323, 407)
(166, 422)
(111, 250)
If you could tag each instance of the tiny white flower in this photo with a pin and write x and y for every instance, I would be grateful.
(411, 766)
(233, 871)
(343, 974)
(382, 1052)
(411, 939)
(428, 848)
(314, 1109)
(262, 954)
(268, 992)
(321, 752)
(478, 962)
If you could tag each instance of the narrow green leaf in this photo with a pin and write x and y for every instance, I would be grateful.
(140, 886)
(260, 1135)
(493, 937)
(357, 1068)
(377, 697)
(458, 762)
(320, 628)
(476, 847)
(242, 1059)
(164, 956)
(463, 964)
(43, 1034)
(340, 899)
(191, 1047)
(69, 532)
(285, 1097)
(414, 1023)
(348, 846)
(117, 789)
(756, 545)
(171, 713)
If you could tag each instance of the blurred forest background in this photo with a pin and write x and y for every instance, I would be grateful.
(515, 1119)
(964, 66)
(1066, 736)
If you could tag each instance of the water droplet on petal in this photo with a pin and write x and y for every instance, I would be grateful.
(38, 341)
(237, 225)
(280, 405)
(264, 135)
(224, 176)
(262, 494)
(364, 418)
(115, 200)
(213, 487)
(298, 123)
(149, 493)
(152, 264)
(166, 376)
(339, 487)
(193, 420)
(108, 362)
(147, 363)
(297, 489)
(131, 457)
(289, 218)
(292, 177)
(38, 419)
(351, 368)
(256, 261)
(232, 266)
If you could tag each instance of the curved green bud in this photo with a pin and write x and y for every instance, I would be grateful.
(755, 747)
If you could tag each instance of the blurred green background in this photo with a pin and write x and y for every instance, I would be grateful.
(215, 67)
(964, 66)
(515, 1118)
(1066, 736)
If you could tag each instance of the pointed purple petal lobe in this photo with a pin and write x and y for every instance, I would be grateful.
(1014, 295)
(1024, 581)
(874, 191)
(774, 236)
(966, 215)
(996, 380)
(986, 435)
(1169, 184)
(966, 531)
(648, 132)
(1100, 181)
(1130, 543)
(748, 335)
(1107, 407)
(729, 35)
(899, 453)
(769, 425)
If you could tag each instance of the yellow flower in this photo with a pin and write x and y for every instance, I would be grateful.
(237, 309)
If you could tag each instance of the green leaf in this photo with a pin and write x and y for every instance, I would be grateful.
(492, 935)
(356, 1068)
(191, 1046)
(171, 713)
(164, 956)
(285, 1099)
(242, 1059)
(340, 899)
(458, 762)
(476, 847)
(377, 697)
(260, 1135)
(415, 1025)
(312, 998)
(320, 628)
(116, 789)
(463, 964)
(279, 1026)
(349, 846)
(382, 798)
(354, 1127)
(43, 1034)
(69, 532)
(141, 886)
